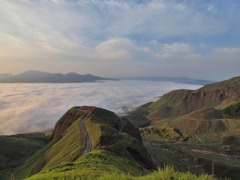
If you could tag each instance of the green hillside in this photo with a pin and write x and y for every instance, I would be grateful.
(213, 110)
(113, 149)
(194, 128)
(116, 146)
(14, 150)
(180, 102)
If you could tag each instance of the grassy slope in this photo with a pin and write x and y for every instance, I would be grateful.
(14, 151)
(167, 173)
(181, 102)
(188, 157)
(138, 117)
(103, 171)
(92, 165)
(206, 115)
(114, 150)
(210, 112)
(56, 152)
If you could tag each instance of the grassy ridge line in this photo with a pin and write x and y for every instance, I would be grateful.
(113, 151)
(180, 102)
(58, 151)
(92, 166)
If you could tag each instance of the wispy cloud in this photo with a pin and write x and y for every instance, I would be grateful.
(36, 107)
(79, 35)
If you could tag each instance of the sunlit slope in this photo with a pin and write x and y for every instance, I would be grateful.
(116, 147)
(211, 112)
(62, 148)
(180, 102)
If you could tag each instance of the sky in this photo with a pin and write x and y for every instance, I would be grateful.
(122, 38)
(36, 107)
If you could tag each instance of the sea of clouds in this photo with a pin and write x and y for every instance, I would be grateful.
(37, 107)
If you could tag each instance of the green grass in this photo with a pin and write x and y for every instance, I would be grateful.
(94, 132)
(58, 151)
(124, 144)
(180, 102)
(160, 133)
(174, 154)
(113, 150)
(117, 150)
(91, 166)
(138, 117)
(166, 174)
(101, 165)
(14, 151)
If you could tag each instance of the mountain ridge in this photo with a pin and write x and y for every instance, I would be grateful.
(46, 77)
(183, 80)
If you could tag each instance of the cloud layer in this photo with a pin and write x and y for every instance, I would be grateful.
(121, 38)
(36, 107)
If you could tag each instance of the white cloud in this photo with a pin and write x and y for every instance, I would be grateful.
(211, 8)
(119, 49)
(53, 25)
(36, 107)
(175, 50)
(79, 35)
(115, 49)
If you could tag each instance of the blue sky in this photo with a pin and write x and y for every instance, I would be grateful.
(192, 38)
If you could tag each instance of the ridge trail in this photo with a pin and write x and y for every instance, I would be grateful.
(88, 146)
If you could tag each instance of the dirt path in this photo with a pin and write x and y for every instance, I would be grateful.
(88, 146)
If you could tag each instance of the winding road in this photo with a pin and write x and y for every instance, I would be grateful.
(88, 146)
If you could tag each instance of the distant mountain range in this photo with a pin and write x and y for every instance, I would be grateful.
(46, 77)
(72, 77)
(183, 80)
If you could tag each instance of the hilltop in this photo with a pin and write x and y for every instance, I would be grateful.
(87, 140)
(46, 77)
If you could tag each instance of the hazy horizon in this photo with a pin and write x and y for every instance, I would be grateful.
(118, 78)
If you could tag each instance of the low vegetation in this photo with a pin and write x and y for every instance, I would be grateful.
(14, 151)
(167, 173)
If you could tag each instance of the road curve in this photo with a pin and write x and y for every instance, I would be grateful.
(88, 146)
